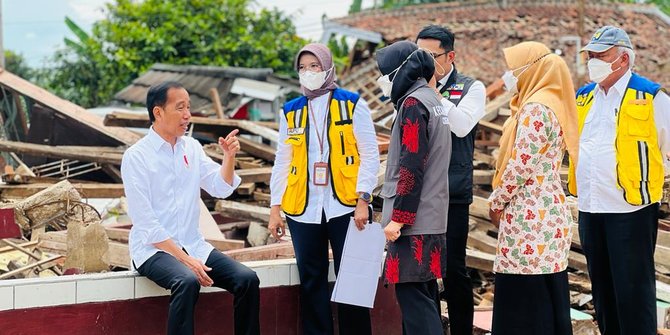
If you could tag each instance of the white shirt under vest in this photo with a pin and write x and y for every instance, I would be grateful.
(321, 198)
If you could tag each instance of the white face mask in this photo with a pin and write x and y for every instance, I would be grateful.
(385, 82)
(599, 70)
(313, 80)
(511, 81)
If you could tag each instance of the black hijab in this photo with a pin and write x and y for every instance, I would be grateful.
(418, 64)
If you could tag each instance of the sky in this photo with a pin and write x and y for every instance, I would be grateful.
(36, 28)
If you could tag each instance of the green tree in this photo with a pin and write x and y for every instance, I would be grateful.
(356, 6)
(136, 34)
(663, 5)
(16, 64)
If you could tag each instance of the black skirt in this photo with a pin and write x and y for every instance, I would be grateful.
(415, 259)
(531, 304)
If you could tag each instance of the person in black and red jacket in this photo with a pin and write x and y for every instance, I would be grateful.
(416, 186)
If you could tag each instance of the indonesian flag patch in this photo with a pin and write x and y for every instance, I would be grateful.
(455, 95)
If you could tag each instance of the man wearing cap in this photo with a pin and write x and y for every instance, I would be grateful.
(618, 178)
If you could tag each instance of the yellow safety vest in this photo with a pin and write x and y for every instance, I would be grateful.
(639, 161)
(343, 160)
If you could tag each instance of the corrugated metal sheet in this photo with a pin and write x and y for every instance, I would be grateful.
(198, 80)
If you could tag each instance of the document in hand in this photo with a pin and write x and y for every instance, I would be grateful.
(361, 265)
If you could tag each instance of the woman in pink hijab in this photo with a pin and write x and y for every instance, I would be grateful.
(325, 170)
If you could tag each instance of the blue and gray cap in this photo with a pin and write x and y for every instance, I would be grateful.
(607, 37)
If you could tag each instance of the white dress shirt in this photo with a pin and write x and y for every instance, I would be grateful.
(162, 186)
(470, 109)
(596, 174)
(321, 198)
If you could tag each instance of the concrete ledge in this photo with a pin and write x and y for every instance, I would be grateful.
(124, 285)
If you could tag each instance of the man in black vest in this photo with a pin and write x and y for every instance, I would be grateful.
(464, 99)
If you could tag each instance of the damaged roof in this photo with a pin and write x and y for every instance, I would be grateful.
(198, 81)
(484, 28)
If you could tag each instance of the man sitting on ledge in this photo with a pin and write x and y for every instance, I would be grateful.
(162, 176)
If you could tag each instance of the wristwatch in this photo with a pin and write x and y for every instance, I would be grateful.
(365, 196)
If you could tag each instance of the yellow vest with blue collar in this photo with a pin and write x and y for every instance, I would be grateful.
(639, 161)
(343, 160)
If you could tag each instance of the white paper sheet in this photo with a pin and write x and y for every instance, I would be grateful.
(361, 265)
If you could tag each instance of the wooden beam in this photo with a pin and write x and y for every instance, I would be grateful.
(22, 114)
(66, 108)
(242, 211)
(246, 188)
(480, 208)
(260, 196)
(256, 149)
(216, 102)
(29, 266)
(263, 252)
(205, 124)
(479, 260)
(255, 175)
(87, 190)
(493, 127)
(23, 245)
(482, 177)
(225, 244)
(104, 155)
(220, 243)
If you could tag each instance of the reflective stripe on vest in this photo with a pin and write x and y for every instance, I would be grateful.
(639, 160)
(343, 161)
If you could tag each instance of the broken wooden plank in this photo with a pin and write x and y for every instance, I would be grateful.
(246, 188)
(242, 211)
(109, 155)
(87, 190)
(66, 108)
(264, 252)
(256, 149)
(255, 175)
(493, 127)
(479, 260)
(260, 196)
(22, 245)
(225, 244)
(29, 266)
(204, 124)
(216, 102)
(482, 177)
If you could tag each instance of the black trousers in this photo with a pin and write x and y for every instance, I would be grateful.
(169, 273)
(532, 304)
(310, 242)
(420, 307)
(619, 249)
(457, 284)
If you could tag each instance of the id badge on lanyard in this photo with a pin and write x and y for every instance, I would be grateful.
(320, 174)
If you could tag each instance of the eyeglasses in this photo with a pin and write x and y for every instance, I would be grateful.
(314, 67)
(438, 55)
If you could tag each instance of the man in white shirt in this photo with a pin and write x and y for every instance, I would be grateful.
(464, 99)
(162, 176)
(624, 133)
